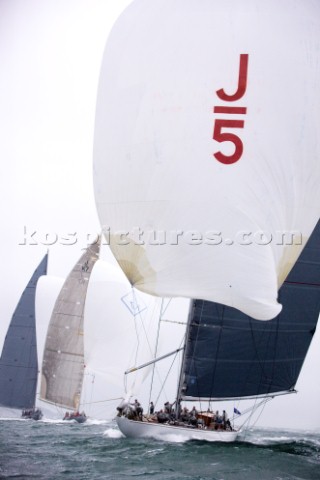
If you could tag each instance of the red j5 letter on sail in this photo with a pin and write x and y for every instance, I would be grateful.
(221, 123)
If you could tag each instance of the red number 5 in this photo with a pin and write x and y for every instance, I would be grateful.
(220, 137)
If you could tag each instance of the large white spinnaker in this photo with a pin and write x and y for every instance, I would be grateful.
(207, 146)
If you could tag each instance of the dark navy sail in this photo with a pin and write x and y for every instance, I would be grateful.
(19, 362)
(230, 355)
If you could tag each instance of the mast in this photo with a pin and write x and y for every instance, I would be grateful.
(155, 350)
(181, 376)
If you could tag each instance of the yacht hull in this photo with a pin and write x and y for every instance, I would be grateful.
(139, 429)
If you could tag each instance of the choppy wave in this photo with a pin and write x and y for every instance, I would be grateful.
(172, 438)
(113, 433)
(51, 450)
(277, 436)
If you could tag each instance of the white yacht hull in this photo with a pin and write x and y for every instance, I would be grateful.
(138, 429)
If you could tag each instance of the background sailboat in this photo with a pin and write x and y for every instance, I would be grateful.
(230, 356)
(63, 358)
(19, 362)
(118, 329)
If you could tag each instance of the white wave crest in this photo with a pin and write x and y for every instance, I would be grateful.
(172, 437)
(113, 433)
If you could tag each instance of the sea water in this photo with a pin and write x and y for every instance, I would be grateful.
(97, 450)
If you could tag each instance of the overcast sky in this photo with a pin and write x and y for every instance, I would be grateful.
(50, 54)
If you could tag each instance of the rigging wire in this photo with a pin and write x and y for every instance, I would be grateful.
(155, 353)
(156, 370)
(104, 401)
(146, 337)
(261, 404)
(145, 333)
(169, 370)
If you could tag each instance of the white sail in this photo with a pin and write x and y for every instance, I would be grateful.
(48, 289)
(168, 163)
(63, 358)
(85, 348)
(120, 331)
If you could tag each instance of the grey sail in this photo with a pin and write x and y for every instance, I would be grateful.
(19, 361)
(230, 355)
(63, 358)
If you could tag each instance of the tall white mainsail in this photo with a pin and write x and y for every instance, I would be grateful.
(207, 146)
